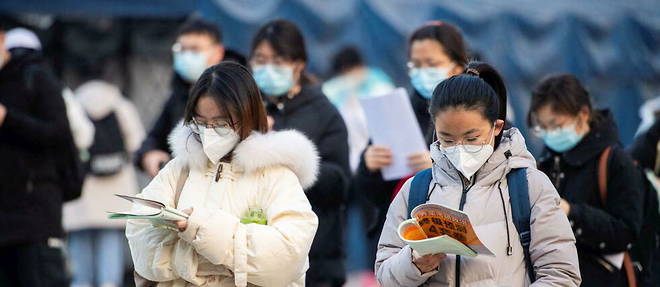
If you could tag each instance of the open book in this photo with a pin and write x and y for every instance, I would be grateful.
(156, 211)
(436, 228)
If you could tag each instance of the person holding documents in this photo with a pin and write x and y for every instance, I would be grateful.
(436, 52)
(238, 191)
(472, 159)
(577, 140)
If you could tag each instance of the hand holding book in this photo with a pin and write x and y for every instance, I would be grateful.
(158, 213)
(435, 229)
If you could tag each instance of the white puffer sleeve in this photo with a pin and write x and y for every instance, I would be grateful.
(264, 255)
(152, 249)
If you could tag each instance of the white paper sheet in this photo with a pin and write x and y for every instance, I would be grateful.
(392, 123)
(615, 259)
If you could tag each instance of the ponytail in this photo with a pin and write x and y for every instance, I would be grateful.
(488, 73)
(480, 87)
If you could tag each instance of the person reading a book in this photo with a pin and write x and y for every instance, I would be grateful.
(472, 159)
(249, 221)
(436, 51)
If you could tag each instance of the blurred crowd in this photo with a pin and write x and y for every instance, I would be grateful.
(66, 151)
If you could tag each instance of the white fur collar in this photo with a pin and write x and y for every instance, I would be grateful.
(288, 148)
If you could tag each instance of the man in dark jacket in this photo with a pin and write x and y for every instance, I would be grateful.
(33, 130)
(311, 113)
(198, 46)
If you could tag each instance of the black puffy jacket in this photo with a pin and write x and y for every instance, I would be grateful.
(311, 113)
(372, 186)
(599, 230)
(171, 115)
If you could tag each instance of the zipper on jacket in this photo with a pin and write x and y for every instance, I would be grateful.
(466, 187)
(218, 174)
(556, 171)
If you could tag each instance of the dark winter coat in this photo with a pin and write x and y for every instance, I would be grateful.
(599, 230)
(375, 189)
(33, 134)
(171, 114)
(311, 113)
(645, 148)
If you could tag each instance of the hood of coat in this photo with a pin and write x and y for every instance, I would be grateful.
(98, 98)
(512, 153)
(282, 148)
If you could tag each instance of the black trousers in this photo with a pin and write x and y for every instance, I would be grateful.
(35, 264)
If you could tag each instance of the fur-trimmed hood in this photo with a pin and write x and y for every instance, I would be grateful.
(286, 148)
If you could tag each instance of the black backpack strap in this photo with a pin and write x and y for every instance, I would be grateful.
(521, 212)
(419, 188)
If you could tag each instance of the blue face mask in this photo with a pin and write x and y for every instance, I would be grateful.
(424, 80)
(189, 65)
(273, 80)
(562, 139)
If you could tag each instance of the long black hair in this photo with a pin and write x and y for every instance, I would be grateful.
(479, 88)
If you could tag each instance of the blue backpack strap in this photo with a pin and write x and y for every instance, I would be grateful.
(521, 212)
(419, 188)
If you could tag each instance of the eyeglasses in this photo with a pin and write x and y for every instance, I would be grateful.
(179, 48)
(221, 127)
(415, 65)
(538, 131)
(277, 61)
(470, 144)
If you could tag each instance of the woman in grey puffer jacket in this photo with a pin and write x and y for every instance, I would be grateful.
(472, 158)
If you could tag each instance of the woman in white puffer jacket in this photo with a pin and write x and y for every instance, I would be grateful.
(233, 164)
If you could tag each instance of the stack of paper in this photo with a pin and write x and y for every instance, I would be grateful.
(392, 123)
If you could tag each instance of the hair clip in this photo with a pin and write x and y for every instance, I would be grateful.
(472, 71)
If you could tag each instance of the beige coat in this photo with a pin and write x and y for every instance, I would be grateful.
(268, 171)
(98, 99)
(552, 247)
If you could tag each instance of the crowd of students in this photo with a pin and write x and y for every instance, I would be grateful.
(239, 135)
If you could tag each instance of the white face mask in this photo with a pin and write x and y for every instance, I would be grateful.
(217, 146)
(467, 159)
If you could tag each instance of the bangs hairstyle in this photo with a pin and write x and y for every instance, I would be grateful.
(284, 37)
(233, 89)
(287, 41)
(466, 91)
(448, 35)
(563, 93)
